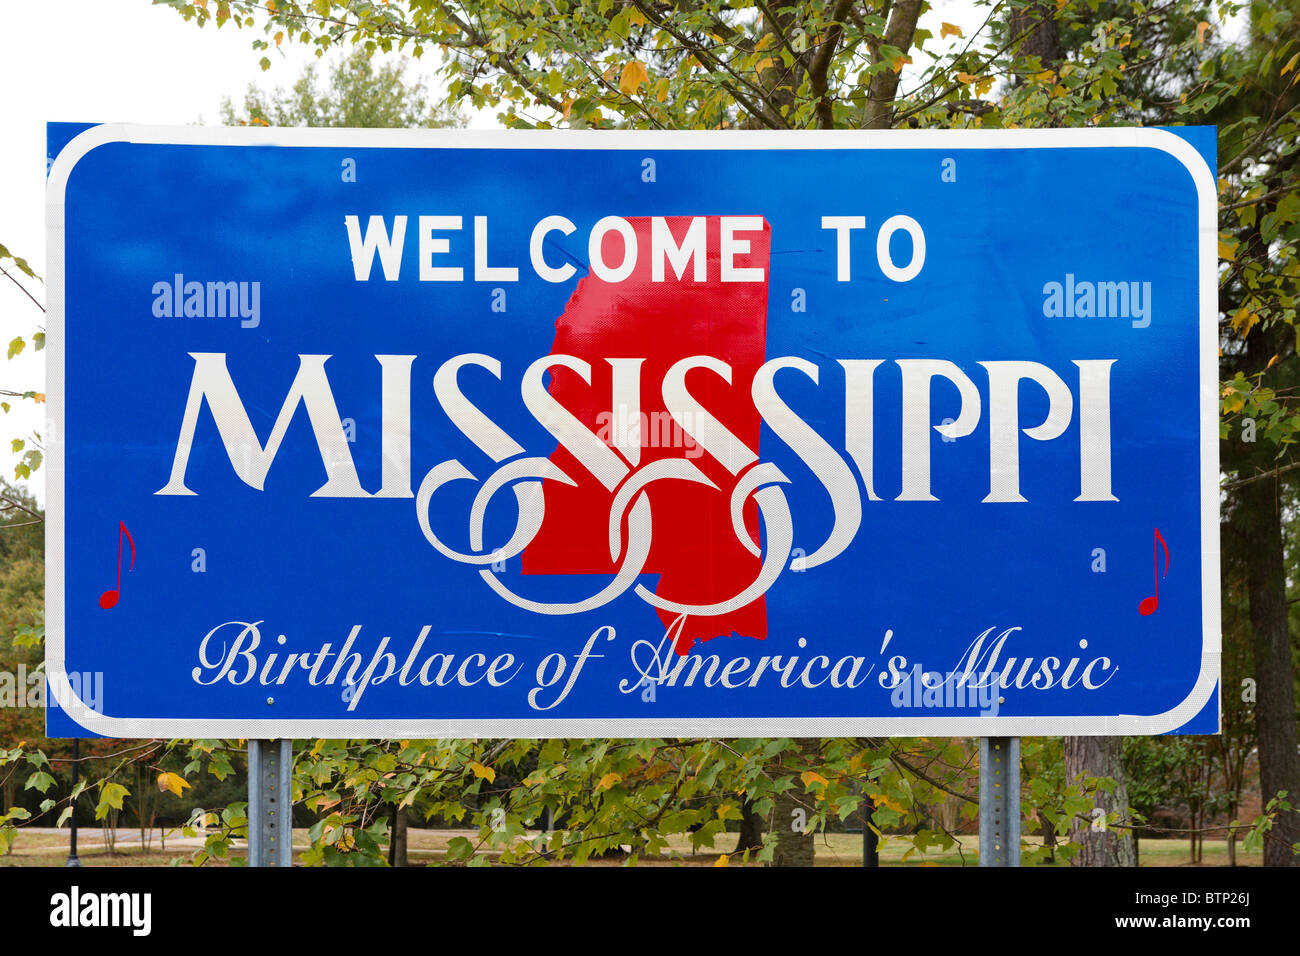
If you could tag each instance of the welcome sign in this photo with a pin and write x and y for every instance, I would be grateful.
(437, 434)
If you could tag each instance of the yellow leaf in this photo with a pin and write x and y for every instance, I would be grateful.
(661, 90)
(637, 17)
(1271, 363)
(722, 861)
(949, 29)
(38, 398)
(1201, 29)
(1290, 65)
(983, 85)
(967, 77)
(608, 781)
(270, 6)
(279, 37)
(482, 772)
(764, 64)
(634, 75)
(657, 770)
(891, 803)
(173, 782)
(899, 62)
(1058, 91)
(1227, 250)
(809, 777)
(1047, 76)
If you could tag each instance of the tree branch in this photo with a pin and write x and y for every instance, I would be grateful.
(820, 66)
(709, 62)
(1276, 472)
(23, 287)
(884, 85)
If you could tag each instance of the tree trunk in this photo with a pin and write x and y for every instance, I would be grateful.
(1101, 757)
(397, 838)
(1037, 24)
(1049, 837)
(751, 829)
(794, 840)
(790, 815)
(1279, 764)
(1086, 756)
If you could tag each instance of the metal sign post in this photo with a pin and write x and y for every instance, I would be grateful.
(270, 802)
(999, 801)
(870, 842)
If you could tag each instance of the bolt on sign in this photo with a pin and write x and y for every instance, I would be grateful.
(398, 433)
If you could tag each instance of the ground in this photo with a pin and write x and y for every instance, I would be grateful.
(45, 846)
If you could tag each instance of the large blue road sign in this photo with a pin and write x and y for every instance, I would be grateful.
(434, 434)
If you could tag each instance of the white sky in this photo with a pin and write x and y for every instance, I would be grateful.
(122, 61)
(96, 61)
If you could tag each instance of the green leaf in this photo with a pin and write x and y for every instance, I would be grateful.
(20, 262)
(458, 848)
(40, 780)
(16, 346)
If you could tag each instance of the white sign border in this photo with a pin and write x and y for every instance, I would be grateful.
(425, 728)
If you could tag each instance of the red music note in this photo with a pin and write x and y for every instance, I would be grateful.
(109, 598)
(1149, 604)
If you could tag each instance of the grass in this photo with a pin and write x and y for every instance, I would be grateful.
(427, 846)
